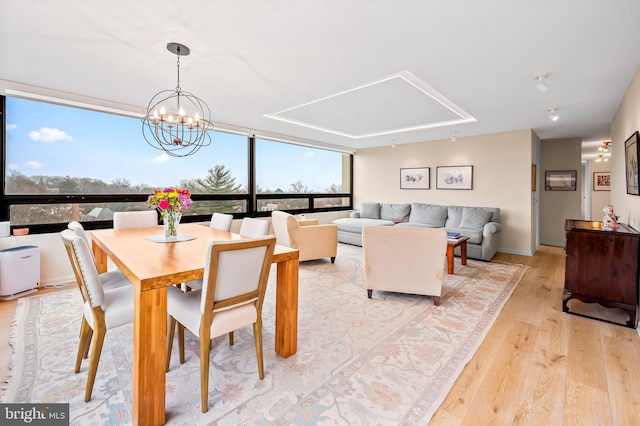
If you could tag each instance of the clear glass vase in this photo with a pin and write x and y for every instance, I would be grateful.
(171, 221)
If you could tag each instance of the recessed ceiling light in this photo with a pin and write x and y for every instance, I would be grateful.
(542, 86)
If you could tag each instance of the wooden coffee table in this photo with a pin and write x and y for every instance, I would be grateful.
(451, 245)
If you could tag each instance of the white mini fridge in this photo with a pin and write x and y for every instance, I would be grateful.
(19, 271)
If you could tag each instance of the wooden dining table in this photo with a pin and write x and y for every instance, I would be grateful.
(154, 266)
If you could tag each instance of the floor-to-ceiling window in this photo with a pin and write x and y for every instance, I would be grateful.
(62, 163)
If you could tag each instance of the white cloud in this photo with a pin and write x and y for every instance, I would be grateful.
(308, 154)
(12, 167)
(160, 158)
(47, 134)
(12, 126)
(33, 165)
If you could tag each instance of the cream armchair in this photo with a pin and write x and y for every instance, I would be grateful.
(312, 240)
(404, 259)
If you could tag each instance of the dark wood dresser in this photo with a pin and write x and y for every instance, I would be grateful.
(602, 266)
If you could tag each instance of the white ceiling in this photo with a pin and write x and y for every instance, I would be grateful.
(353, 74)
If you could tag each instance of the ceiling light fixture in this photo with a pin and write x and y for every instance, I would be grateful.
(167, 127)
(542, 86)
(601, 157)
(605, 146)
(552, 114)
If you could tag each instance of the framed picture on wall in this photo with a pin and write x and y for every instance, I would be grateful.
(560, 180)
(631, 164)
(415, 178)
(454, 177)
(602, 181)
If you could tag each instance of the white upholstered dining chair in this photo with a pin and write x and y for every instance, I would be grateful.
(221, 221)
(102, 310)
(135, 219)
(252, 227)
(235, 281)
(110, 279)
(404, 259)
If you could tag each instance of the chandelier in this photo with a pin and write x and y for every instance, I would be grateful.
(177, 121)
(601, 157)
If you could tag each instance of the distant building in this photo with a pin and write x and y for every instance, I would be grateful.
(99, 213)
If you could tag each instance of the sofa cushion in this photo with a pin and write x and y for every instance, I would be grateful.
(395, 212)
(370, 210)
(431, 215)
(355, 225)
(474, 218)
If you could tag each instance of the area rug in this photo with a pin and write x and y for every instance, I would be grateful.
(388, 360)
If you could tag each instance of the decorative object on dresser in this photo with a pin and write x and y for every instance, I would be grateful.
(454, 177)
(560, 180)
(415, 178)
(602, 267)
(610, 220)
(631, 150)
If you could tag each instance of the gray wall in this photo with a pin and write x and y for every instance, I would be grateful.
(556, 206)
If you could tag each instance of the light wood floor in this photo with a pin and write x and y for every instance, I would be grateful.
(537, 365)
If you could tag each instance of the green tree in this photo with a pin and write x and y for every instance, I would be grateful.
(68, 185)
(218, 180)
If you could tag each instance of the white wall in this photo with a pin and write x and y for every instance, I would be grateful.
(501, 178)
(625, 123)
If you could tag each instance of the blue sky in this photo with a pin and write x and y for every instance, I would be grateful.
(46, 139)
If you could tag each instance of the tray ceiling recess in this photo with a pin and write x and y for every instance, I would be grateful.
(398, 103)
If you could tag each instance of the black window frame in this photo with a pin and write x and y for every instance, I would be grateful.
(251, 198)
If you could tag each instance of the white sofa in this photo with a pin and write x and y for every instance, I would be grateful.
(480, 224)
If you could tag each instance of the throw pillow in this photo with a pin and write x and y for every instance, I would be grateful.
(395, 211)
(474, 218)
(370, 210)
(431, 215)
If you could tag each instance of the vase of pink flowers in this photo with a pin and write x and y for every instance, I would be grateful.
(170, 202)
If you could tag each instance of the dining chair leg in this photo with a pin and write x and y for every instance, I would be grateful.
(171, 327)
(98, 341)
(181, 342)
(231, 338)
(86, 352)
(88, 343)
(204, 373)
(257, 336)
(83, 345)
